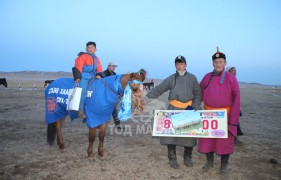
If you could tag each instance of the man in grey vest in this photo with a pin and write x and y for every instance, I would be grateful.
(185, 93)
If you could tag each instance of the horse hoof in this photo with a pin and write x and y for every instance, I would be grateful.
(91, 159)
(101, 154)
(90, 155)
(62, 146)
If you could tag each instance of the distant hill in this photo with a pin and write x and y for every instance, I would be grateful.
(44, 75)
(259, 84)
(33, 72)
(33, 75)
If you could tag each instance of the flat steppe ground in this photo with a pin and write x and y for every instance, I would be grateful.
(25, 154)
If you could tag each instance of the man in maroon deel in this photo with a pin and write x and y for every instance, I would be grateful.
(220, 90)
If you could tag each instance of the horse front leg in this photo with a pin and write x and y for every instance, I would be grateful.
(92, 135)
(58, 125)
(101, 139)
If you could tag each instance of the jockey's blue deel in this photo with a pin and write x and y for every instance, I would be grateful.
(126, 105)
(101, 99)
(87, 73)
(93, 71)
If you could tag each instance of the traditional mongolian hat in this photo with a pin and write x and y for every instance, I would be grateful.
(218, 54)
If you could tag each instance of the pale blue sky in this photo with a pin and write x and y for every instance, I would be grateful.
(47, 35)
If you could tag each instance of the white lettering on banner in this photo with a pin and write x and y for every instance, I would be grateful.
(64, 91)
(128, 130)
(66, 101)
(53, 91)
(60, 100)
(89, 93)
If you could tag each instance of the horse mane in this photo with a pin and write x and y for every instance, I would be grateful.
(140, 75)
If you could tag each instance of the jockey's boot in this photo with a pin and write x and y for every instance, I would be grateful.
(81, 114)
(210, 162)
(187, 157)
(224, 162)
(172, 156)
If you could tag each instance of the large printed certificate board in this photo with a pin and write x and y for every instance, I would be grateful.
(190, 123)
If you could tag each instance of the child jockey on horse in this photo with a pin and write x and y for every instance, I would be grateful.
(87, 65)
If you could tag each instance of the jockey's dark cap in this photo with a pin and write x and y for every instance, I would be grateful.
(180, 59)
(91, 43)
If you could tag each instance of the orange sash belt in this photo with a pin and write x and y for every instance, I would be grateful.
(179, 104)
(212, 108)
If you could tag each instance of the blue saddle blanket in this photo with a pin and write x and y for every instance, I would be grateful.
(56, 95)
(98, 105)
(101, 99)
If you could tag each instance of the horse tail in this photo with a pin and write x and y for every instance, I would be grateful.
(51, 133)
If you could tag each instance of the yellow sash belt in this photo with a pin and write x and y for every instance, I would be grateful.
(179, 104)
(213, 108)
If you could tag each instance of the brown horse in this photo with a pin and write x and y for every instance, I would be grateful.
(55, 127)
(138, 103)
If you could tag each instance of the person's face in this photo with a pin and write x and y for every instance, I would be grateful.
(219, 64)
(233, 71)
(91, 49)
(111, 68)
(180, 66)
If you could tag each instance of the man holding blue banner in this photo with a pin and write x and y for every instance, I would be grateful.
(87, 65)
(220, 90)
(184, 94)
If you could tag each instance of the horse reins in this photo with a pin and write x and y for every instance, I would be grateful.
(110, 89)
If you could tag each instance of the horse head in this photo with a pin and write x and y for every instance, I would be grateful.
(134, 80)
(132, 87)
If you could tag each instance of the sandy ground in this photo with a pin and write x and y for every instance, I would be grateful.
(134, 154)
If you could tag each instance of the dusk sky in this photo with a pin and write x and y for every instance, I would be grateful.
(47, 35)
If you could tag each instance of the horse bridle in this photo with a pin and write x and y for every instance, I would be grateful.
(129, 82)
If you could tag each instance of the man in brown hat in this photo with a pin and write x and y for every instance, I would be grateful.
(220, 90)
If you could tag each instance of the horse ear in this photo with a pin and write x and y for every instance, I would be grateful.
(143, 74)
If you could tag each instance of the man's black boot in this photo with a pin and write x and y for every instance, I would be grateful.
(172, 156)
(187, 157)
(210, 162)
(224, 163)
